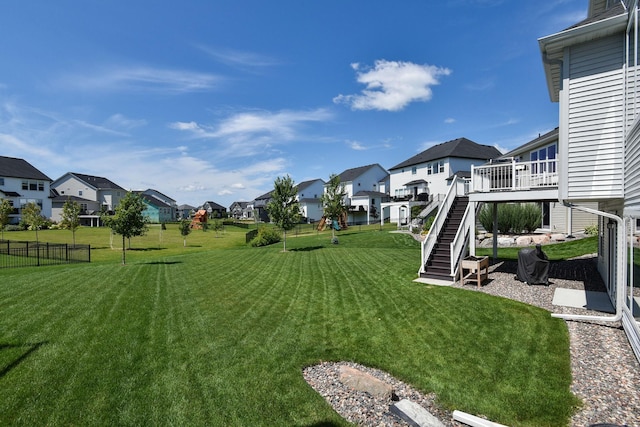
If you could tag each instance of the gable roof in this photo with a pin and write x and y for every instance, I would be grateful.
(215, 206)
(12, 167)
(153, 201)
(306, 184)
(460, 148)
(540, 140)
(351, 174)
(97, 182)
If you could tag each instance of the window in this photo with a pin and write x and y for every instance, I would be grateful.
(25, 185)
(79, 192)
(441, 166)
(40, 185)
(429, 169)
(1, 181)
(33, 186)
(414, 170)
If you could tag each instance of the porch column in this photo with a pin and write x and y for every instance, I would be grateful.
(472, 231)
(495, 231)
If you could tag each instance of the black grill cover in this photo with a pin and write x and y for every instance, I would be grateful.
(533, 266)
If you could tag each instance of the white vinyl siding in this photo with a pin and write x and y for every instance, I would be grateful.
(632, 169)
(595, 120)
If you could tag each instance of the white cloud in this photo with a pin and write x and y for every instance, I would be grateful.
(141, 78)
(254, 132)
(449, 120)
(239, 58)
(122, 122)
(355, 145)
(392, 85)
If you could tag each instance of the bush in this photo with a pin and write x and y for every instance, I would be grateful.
(416, 210)
(512, 218)
(591, 230)
(266, 236)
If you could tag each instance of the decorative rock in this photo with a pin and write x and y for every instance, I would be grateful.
(363, 381)
(505, 241)
(415, 414)
(557, 237)
(523, 241)
(540, 239)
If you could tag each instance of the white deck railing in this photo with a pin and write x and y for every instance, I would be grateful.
(514, 176)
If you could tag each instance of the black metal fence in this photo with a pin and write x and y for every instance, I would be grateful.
(32, 254)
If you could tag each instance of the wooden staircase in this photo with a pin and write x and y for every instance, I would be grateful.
(438, 265)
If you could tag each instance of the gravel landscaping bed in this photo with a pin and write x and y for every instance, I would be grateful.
(606, 374)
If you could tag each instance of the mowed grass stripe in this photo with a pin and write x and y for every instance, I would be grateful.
(190, 339)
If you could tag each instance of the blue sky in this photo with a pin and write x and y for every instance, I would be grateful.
(212, 100)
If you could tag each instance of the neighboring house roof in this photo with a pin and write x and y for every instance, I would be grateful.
(241, 205)
(303, 185)
(185, 207)
(416, 182)
(12, 167)
(60, 198)
(460, 174)
(351, 174)
(97, 182)
(153, 201)
(215, 206)
(461, 148)
(309, 200)
(540, 140)
(151, 191)
(10, 193)
(265, 196)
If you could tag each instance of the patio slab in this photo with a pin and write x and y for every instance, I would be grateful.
(591, 300)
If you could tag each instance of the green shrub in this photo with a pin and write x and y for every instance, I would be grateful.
(512, 218)
(416, 210)
(591, 230)
(266, 236)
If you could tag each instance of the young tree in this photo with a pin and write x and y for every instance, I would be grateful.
(283, 208)
(71, 217)
(128, 220)
(333, 201)
(5, 211)
(31, 215)
(185, 230)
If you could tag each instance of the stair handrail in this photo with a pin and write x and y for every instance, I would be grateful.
(428, 243)
(459, 243)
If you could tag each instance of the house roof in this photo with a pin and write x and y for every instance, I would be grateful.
(154, 201)
(265, 196)
(539, 141)
(97, 182)
(306, 184)
(351, 174)
(183, 207)
(152, 190)
(460, 174)
(10, 193)
(215, 206)
(460, 148)
(416, 182)
(12, 167)
(601, 22)
(241, 205)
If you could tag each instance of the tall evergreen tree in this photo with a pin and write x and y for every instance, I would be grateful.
(284, 209)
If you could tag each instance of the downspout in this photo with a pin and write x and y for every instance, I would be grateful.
(620, 268)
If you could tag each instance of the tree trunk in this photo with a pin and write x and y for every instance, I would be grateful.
(123, 252)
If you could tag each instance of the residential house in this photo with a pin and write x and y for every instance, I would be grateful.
(185, 211)
(591, 72)
(241, 210)
(260, 207)
(214, 209)
(366, 191)
(541, 155)
(173, 206)
(426, 177)
(22, 183)
(309, 193)
(104, 193)
(591, 69)
(156, 211)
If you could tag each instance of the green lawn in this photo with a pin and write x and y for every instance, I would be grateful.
(217, 333)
